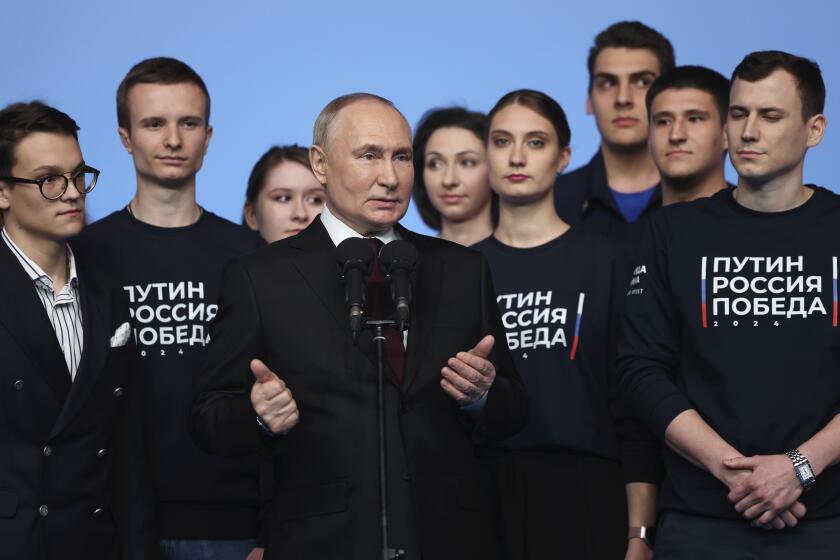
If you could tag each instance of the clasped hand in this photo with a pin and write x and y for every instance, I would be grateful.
(765, 490)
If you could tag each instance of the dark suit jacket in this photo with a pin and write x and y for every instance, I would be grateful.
(285, 305)
(72, 479)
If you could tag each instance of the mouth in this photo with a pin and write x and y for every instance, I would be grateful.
(294, 231)
(677, 153)
(172, 160)
(625, 122)
(517, 177)
(749, 154)
(385, 203)
(452, 198)
(72, 213)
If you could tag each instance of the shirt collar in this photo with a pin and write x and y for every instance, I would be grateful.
(599, 188)
(35, 272)
(339, 231)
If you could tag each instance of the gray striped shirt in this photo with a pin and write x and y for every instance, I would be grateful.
(63, 309)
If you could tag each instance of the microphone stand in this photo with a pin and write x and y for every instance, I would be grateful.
(379, 327)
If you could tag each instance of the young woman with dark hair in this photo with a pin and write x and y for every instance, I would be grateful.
(561, 480)
(451, 187)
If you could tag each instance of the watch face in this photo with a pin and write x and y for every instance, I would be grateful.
(804, 472)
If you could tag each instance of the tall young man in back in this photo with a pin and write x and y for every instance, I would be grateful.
(688, 107)
(730, 337)
(73, 477)
(618, 186)
(168, 253)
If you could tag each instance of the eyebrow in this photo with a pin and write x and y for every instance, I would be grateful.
(461, 153)
(150, 118)
(56, 169)
(761, 110)
(639, 74)
(530, 133)
(375, 148)
(692, 112)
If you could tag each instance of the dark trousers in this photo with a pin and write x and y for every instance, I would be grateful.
(690, 537)
(560, 504)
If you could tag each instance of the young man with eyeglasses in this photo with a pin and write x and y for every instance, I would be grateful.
(730, 339)
(73, 479)
(167, 253)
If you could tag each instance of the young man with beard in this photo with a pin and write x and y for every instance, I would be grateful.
(740, 377)
(167, 253)
(618, 187)
(688, 107)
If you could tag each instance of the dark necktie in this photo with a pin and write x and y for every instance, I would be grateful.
(380, 306)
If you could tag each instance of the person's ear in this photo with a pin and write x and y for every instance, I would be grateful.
(565, 157)
(318, 162)
(5, 201)
(207, 138)
(250, 215)
(816, 129)
(125, 138)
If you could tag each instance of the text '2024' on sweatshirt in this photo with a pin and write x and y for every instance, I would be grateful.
(734, 313)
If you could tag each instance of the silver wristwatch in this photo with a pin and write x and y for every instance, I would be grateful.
(803, 469)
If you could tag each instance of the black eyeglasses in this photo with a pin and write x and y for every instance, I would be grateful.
(53, 187)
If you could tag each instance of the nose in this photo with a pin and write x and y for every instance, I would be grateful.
(173, 137)
(299, 210)
(450, 177)
(677, 133)
(750, 131)
(388, 175)
(71, 194)
(517, 155)
(623, 99)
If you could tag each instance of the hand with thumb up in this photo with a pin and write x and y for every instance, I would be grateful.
(272, 400)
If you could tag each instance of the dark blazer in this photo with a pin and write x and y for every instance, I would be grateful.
(72, 479)
(285, 305)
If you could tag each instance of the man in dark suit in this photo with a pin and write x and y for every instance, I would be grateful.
(72, 482)
(283, 320)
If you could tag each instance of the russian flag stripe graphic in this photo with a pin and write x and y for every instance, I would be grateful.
(834, 287)
(703, 293)
(577, 327)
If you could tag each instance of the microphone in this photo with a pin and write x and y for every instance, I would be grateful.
(355, 256)
(397, 260)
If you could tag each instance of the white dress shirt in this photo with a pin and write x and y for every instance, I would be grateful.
(63, 309)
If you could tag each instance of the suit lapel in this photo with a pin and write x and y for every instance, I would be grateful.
(424, 305)
(23, 315)
(96, 311)
(316, 263)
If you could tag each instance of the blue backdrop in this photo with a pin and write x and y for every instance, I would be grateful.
(271, 66)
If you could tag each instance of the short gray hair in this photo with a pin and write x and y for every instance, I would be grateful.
(322, 131)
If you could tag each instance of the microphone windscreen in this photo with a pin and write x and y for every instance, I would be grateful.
(397, 254)
(354, 252)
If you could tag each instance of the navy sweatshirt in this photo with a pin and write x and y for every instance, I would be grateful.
(171, 278)
(733, 313)
(560, 305)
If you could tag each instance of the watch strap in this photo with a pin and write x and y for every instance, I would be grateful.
(642, 532)
(799, 461)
